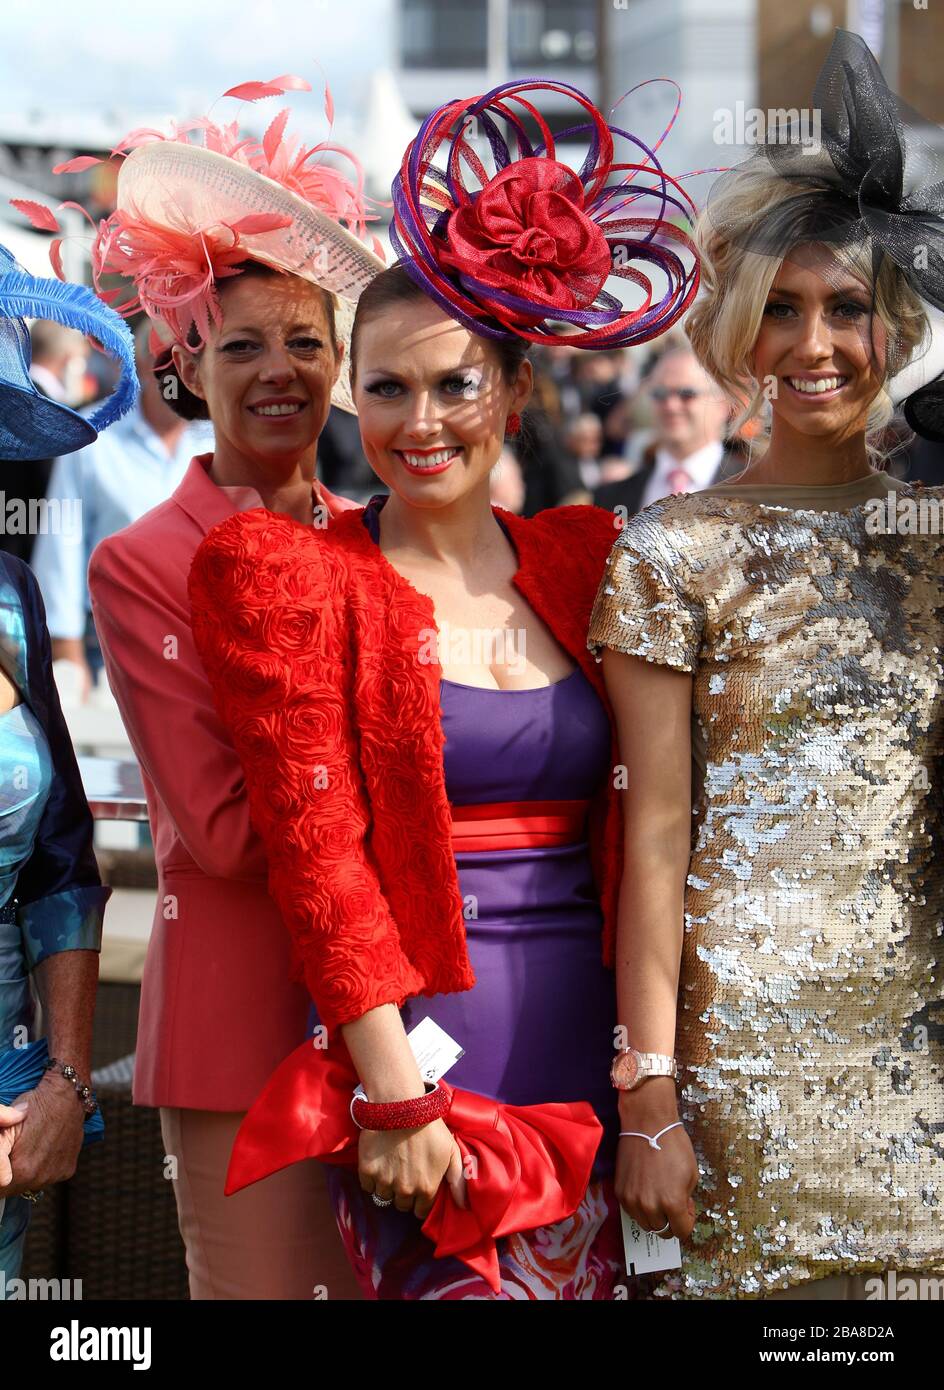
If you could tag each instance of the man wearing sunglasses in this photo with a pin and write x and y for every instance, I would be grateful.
(687, 452)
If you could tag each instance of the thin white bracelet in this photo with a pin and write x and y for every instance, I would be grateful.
(635, 1134)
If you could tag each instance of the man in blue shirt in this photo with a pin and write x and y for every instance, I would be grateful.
(101, 489)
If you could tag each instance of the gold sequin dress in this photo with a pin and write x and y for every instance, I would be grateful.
(810, 1037)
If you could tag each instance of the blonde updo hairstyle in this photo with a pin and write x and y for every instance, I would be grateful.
(725, 321)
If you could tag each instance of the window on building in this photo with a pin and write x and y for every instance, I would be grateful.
(444, 33)
(549, 32)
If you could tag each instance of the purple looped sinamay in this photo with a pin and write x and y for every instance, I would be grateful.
(443, 174)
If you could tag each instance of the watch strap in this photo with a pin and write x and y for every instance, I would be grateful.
(657, 1064)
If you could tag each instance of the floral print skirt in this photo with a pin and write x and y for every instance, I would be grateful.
(580, 1258)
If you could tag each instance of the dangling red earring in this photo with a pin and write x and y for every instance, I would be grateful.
(513, 423)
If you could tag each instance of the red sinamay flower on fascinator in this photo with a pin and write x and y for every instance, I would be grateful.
(188, 213)
(528, 231)
(534, 245)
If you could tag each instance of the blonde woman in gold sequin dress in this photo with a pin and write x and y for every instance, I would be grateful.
(773, 650)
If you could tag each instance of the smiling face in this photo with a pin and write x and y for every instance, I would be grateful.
(821, 346)
(267, 372)
(432, 402)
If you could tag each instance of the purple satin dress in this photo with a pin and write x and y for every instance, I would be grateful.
(538, 1024)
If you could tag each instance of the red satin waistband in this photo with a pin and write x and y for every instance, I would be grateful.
(518, 825)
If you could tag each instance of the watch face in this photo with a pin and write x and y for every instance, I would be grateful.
(625, 1070)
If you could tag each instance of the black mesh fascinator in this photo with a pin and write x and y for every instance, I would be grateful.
(869, 173)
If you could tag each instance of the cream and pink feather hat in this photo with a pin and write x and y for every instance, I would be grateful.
(194, 203)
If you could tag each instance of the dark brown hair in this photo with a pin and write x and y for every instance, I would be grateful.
(394, 286)
(182, 400)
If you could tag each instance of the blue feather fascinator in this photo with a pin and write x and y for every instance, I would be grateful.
(31, 425)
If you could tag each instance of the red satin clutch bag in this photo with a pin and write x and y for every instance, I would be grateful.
(527, 1165)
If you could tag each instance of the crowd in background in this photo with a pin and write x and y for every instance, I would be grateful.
(615, 429)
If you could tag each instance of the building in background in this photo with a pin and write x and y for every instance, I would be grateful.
(451, 48)
(448, 48)
(906, 38)
(710, 50)
(762, 53)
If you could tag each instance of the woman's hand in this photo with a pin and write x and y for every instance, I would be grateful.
(406, 1165)
(409, 1165)
(656, 1185)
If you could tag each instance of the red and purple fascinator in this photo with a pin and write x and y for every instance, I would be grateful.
(537, 246)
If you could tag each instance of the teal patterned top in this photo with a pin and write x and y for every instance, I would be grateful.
(49, 881)
(25, 779)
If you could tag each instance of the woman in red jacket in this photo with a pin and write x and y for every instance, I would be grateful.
(427, 743)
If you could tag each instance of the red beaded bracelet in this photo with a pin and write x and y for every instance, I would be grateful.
(400, 1114)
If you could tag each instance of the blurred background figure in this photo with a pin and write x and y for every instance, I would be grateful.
(60, 357)
(687, 451)
(598, 378)
(548, 472)
(57, 369)
(342, 466)
(618, 426)
(584, 441)
(921, 462)
(506, 483)
(127, 471)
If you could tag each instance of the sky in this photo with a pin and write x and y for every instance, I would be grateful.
(88, 57)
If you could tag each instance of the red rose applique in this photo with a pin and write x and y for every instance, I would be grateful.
(527, 233)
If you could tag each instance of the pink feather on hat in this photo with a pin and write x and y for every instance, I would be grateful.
(184, 224)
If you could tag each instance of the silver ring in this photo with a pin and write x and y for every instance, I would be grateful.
(381, 1201)
(662, 1229)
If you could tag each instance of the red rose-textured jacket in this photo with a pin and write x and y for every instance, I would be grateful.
(318, 652)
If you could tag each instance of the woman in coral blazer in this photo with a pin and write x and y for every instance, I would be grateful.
(429, 754)
(218, 1007)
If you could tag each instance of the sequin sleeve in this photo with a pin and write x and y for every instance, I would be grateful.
(646, 604)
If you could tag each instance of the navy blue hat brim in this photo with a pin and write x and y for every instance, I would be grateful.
(34, 427)
(31, 425)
